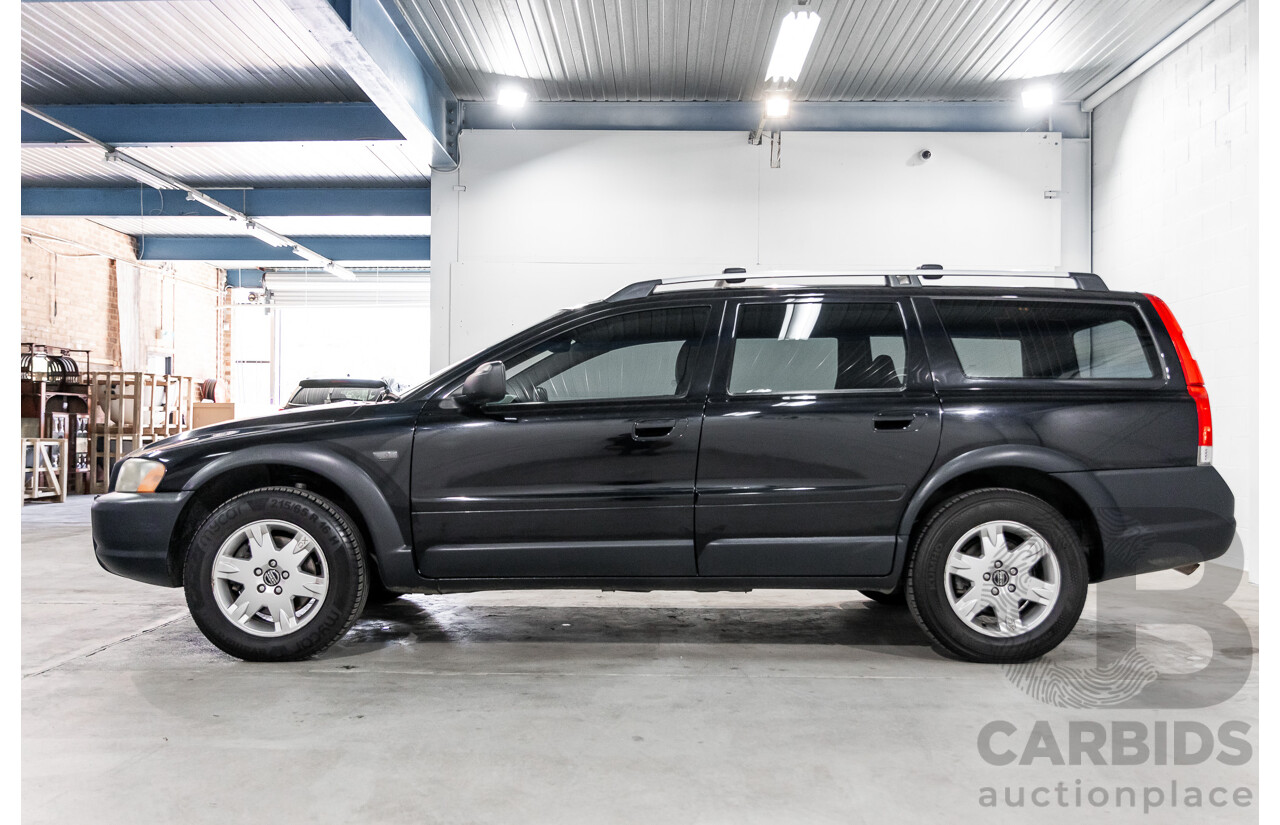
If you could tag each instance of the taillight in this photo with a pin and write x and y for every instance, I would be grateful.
(1195, 382)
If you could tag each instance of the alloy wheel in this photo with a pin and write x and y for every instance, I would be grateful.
(1002, 579)
(270, 578)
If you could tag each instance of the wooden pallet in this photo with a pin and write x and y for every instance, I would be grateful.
(130, 410)
(45, 478)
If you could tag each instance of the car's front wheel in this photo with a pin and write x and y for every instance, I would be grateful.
(997, 576)
(276, 574)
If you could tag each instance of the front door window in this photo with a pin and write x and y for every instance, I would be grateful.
(636, 355)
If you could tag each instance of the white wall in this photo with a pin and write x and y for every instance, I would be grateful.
(1077, 205)
(252, 358)
(536, 220)
(1175, 213)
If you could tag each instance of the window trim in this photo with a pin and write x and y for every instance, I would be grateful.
(722, 383)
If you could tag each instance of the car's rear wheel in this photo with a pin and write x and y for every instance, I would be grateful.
(276, 574)
(997, 576)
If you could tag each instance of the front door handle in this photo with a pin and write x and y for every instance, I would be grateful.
(652, 430)
(891, 421)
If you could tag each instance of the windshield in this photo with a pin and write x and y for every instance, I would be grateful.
(328, 395)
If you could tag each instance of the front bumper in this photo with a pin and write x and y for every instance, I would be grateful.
(1159, 519)
(132, 532)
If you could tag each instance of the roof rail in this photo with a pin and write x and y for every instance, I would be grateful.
(896, 278)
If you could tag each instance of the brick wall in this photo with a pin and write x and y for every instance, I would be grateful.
(1175, 213)
(69, 297)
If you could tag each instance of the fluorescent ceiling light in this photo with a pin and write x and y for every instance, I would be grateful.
(777, 106)
(512, 96)
(795, 36)
(340, 271)
(266, 235)
(311, 257)
(1039, 96)
(141, 172)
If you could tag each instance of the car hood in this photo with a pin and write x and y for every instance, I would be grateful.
(291, 419)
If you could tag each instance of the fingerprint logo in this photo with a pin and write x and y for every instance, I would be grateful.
(1097, 687)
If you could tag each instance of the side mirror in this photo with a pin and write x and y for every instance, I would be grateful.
(487, 383)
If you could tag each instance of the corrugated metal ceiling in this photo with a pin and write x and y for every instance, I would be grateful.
(132, 51)
(866, 50)
(190, 51)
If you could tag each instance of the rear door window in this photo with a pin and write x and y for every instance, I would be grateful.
(817, 346)
(1057, 340)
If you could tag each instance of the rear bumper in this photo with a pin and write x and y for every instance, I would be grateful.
(131, 534)
(1159, 519)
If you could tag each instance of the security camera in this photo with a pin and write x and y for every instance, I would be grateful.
(925, 154)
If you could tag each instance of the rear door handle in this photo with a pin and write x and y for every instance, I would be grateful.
(652, 430)
(890, 421)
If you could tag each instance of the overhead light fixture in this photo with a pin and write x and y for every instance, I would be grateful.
(1038, 96)
(141, 172)
(339, 271)
(512, 97)
(266, 235)
(777, 106)
(795, 36)
(311, 257)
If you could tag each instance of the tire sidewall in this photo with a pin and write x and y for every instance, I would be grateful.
(927, 577)
(338, 543)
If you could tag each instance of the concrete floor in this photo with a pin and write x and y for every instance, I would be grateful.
(563, 707)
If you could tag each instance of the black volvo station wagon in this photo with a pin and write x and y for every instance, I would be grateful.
(979, 452)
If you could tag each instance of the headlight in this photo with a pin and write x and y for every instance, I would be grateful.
(139, 475)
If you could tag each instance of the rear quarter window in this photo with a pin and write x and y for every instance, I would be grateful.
(1057, 340)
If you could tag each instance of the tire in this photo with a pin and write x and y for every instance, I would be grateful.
(897, 598)
(965, 586)
(276, 574)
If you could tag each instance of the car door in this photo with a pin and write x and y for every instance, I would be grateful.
(586, 468)
(820, 423)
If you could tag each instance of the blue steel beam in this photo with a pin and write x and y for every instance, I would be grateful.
(143, 200)
(982, 116)
(248, 248)
(373, 42)
(142, 124)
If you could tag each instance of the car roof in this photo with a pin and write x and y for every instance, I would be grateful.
(369, 383)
